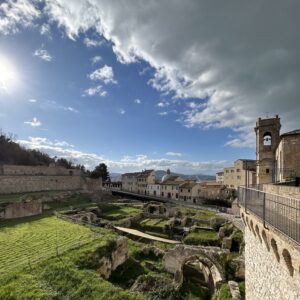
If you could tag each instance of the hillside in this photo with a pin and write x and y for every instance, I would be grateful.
(12, 153)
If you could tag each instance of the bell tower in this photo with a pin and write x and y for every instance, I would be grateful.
(267, 140)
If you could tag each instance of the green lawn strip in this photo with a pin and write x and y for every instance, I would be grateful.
(63, 277)
(202, 237)
(39, 239)
(197, 213)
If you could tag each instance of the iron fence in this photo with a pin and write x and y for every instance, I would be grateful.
(280, 212)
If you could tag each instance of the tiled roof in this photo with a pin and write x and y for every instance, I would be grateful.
(145, 173)
(188, 185)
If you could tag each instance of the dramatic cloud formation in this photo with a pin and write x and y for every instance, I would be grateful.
(126, 163)
(241, 59)
(14, 14)
(239, 67)
(43, 54)
(34, 122)
(104, 74)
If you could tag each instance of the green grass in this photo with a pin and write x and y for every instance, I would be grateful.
(122, 212)
(18, 196)
(38, 239)
(196, 213)
(202, 237)
(60, 278)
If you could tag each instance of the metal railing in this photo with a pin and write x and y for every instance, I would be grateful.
(280, 212)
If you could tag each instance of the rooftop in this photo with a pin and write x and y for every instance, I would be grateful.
(293, 132)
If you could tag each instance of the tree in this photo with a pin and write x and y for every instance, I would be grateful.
(101, 171)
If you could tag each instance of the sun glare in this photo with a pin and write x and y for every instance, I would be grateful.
(8, 75)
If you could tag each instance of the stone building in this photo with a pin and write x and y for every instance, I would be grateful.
(169, 187)
(278, 156)
(137, 182)
(242, 173)
(267, 140)
(189, 191)
(288, 156)
(154, 189)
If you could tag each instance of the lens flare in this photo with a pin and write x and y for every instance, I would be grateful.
(8, 75)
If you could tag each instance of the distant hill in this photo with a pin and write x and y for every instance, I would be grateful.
(160, 173)
(199, 177)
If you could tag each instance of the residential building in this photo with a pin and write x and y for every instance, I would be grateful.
(169, 187)
(188, 191)
(154, 189)
(137, 182)
(242, 173)
(220, 177)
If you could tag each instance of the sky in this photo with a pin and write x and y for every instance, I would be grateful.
(147, 84)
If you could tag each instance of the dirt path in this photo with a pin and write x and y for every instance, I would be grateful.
(146, 236)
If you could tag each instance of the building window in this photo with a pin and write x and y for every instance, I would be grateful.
(227, 171)
(267, 139)
(238, 170)
(189, 190)
(267, 171)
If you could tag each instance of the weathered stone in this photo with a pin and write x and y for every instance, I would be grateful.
(226, 243)
(234, 290)
(222, 232)
(148, 250)
(120, 255)
(239, 267)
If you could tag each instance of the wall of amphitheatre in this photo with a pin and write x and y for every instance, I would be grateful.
(19, 184)
(272, 263)
(21, 209)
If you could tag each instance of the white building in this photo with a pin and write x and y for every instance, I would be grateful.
(220, 177)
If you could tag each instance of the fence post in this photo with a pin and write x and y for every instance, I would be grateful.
(264, 210)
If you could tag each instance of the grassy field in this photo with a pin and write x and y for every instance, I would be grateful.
(197, 213)
(202, 237)
(38, 239)
(118, 212)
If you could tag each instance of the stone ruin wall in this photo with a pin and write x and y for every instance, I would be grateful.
(20, 184)
(271, 263)
(19, 179)
(21, 209)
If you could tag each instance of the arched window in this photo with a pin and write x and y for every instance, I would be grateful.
(267, 139)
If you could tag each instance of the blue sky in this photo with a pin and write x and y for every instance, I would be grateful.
(77, 94)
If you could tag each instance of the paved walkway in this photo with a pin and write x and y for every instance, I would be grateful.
(146, 236)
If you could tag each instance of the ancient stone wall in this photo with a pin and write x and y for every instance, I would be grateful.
(271, 263)
(282, 190)
(21, 209)
(19, 184)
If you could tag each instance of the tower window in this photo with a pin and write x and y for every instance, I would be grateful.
(267, 171)
(267, 139)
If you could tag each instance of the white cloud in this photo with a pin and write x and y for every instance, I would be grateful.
(137, 101)
(32, 100)
(96, 59)
(219, 57)
(34, 122)
(122, 111)
(45, 29)
(14, 14)
(72, 109)
(95, 91)
(163, 104)
(92, 43)
(163, 113)
(174, 154)
(126, 163)
(104, 74)
(43, 54)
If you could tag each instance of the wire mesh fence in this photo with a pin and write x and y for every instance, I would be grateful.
(280, 212)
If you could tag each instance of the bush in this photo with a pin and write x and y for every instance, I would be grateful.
(237, 240)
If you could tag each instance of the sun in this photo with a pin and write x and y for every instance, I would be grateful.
(8, 75)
